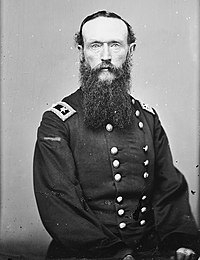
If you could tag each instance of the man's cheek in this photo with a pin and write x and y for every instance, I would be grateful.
(92, 61)
(118, 61)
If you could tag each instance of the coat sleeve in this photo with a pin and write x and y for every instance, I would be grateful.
(60, 200)
(173, 218)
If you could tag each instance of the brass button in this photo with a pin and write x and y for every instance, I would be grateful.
(118, 177)
(142, 222)
(119, 199)
(146, 175)
(146, 162)
(141, 125)
(114, 150)
(120, 212)
(143, 209)
(109, 127)
(137, 113)
(145, 148)
(144, 197)
(116, 163)
(122, 225)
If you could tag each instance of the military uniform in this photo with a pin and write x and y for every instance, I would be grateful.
(109, 190)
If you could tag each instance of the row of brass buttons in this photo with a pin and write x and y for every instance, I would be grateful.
(145, 175)
(117, 177)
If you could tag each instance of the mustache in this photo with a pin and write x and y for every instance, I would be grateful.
(105, 65)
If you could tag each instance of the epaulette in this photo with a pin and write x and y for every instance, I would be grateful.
(62, 110)
(147, 107)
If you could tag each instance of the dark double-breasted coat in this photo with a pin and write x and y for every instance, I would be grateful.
(108, 190)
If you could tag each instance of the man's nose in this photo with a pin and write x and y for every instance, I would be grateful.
(105, 55)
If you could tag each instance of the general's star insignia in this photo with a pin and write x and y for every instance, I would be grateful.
(62, 110)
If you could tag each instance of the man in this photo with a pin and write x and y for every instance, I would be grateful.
(104, 179)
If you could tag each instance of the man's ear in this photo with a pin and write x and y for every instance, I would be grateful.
(81, 54)
(132, 48)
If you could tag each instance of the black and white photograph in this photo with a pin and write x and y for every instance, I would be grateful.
(100, 130)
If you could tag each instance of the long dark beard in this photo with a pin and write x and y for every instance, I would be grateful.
(106, 101)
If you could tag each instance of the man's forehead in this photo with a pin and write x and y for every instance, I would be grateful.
(103, 28)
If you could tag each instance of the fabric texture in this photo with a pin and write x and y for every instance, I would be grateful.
(109, 191)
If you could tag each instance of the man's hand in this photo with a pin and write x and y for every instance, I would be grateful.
(128, 257)
(185, 254)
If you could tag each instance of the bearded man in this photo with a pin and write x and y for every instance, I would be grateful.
(104, 180)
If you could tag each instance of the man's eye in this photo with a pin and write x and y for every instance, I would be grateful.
(115, 45)
(95, 46)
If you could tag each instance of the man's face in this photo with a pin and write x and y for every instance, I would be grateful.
(105, 41)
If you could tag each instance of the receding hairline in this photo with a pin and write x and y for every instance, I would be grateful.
(84, 27)
(105, 17)
(79, 37)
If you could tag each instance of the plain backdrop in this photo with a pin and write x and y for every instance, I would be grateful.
(40, 66)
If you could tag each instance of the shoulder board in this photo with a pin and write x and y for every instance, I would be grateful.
(62, 110)
(147, 107)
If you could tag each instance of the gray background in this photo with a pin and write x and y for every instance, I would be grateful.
(40, 66)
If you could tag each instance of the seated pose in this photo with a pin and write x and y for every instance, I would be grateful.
(104, 179)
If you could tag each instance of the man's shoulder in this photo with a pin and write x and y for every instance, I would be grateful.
(145, 107)
(67, 107)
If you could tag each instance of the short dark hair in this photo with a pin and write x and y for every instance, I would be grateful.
(79, 37)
